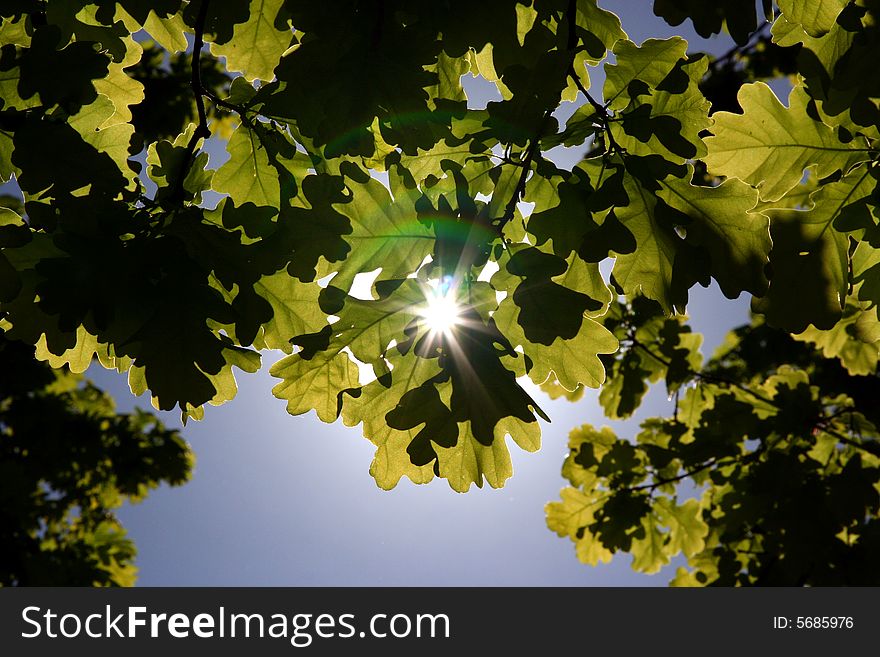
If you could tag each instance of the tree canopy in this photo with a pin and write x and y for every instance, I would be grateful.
(354, 162)
(766, 473)
(67, 461)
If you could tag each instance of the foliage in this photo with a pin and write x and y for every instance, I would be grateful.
(67, 460)
(767, 473)
(118, 256)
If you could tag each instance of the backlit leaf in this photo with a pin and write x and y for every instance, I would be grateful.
(769, 145)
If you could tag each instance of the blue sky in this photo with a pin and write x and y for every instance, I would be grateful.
(288, 501)
(281, 500)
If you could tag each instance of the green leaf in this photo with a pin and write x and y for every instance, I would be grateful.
(191, 368)
(257, 45)
(122, 90)
(667, 122)
(659, 266)
(96, 125)
(687, 530)
(853, 340)
(572, 360)
(622, 393)
(385, 232)
(83, 22)
(738, 240)
(648, 551)
(76, 165)
(295, 309)
(525, 19)
(430, 162)
(317, 375)
(248, 176)
(598, 28)
(77, 358)
(223, 381)
(568, 517)
(449, 71)
(837, 67)
(16, 32)
(370, 407)
(571, 210)
(547, 310)
(639, 69)
(819, 57)
(866, 272)
(817, 17)
(654, 347)
(597, 442)
(10, 76)
(769, 145)
(368, 327)
(168, 31)
(470, 461)
(315, 383)
(810, 254)
(466, 410)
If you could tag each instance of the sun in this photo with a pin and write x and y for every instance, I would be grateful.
(442, 313)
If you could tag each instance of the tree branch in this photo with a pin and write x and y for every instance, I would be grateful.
(702, 376)
(534, 143)
(600, 109)
(714, 64)
(526, 165)
(672, 480)
(604, 117)
(202, 131)
(822, 424)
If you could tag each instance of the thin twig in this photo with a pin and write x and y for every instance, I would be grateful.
(671, 480)
(526, 165)
(870, 448)
(601, 111)
(737, 49)
(702, 376)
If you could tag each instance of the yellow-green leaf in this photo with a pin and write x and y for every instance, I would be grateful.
(769, 145)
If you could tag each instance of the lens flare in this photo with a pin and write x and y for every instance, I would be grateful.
(442, 312)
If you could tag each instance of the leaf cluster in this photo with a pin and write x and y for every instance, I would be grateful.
(767, 472)
(67, 461)
(122, 253)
